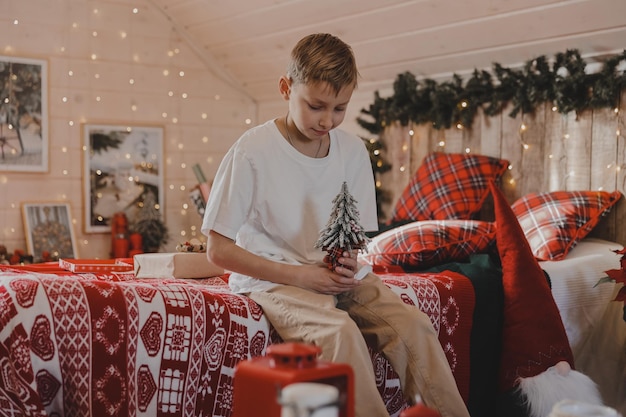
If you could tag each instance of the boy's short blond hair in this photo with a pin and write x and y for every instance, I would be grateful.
(322, 57)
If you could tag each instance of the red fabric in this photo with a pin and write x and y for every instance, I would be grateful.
(88, 344)
(533, 338)
(554, 222)
(448, 186)
(426, 243)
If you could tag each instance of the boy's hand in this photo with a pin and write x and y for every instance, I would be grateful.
(323, 280)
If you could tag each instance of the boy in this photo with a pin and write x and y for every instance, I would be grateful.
(270, 198)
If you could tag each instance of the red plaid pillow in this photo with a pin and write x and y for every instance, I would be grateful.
(554, 222)
(426, 243)
(448, 186)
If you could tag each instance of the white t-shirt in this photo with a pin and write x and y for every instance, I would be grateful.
(273, 200)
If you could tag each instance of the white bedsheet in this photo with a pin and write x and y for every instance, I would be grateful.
(593, 322)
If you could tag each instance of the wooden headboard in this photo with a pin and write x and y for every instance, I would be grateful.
(548, 151)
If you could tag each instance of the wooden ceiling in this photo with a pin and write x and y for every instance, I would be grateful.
(248, 41)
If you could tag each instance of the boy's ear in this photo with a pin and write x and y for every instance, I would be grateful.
(284, 87)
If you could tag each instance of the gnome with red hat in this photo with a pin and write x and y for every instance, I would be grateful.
(537, 362)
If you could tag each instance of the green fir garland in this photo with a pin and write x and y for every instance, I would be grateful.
(444, 104)
(376, 150)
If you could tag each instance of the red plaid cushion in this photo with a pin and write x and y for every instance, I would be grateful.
(426, 243)
(448, 186)
(554, 222)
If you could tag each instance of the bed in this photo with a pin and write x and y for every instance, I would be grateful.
(109, 343)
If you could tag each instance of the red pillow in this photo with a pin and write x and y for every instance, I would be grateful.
(554, 222)
(426, 243)
(448, 186)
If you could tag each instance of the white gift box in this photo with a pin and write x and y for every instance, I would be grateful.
(175, 265)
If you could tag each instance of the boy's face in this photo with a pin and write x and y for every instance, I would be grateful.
(315, 108)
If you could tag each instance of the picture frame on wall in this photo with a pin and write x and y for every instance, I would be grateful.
(49, 231)
(23, 114)
(123, 173)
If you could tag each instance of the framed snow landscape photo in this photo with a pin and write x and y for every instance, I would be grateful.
(123, 173)
(23, 114)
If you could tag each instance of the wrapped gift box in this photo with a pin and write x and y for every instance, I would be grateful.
(96, 265)
(175, 265)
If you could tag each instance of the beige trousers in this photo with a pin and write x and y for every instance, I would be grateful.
(339, 325)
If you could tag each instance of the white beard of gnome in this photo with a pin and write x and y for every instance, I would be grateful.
(343, 232)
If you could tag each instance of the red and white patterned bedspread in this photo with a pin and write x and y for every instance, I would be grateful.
(79, 345)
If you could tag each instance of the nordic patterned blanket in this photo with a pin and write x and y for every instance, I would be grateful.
(113, 345)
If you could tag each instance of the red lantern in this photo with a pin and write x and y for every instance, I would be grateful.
(258, 382)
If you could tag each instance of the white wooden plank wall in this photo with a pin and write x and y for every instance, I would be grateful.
(547, 151)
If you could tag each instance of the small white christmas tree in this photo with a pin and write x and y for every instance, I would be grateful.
(343, 232)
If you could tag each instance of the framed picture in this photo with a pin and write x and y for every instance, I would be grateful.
(49, 232)
(23, 114)
(123, 173)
